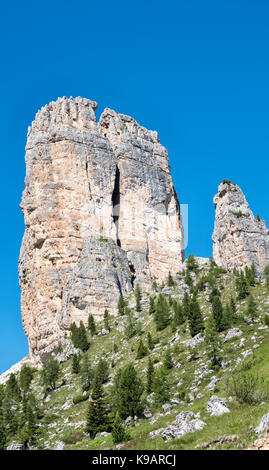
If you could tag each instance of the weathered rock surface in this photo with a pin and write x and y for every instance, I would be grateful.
(263, 425)
(216, 406)
(101, 214)
(13, 370)
(239, 239)
(185, 423)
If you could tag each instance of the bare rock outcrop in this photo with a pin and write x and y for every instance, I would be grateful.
(101, 213)
(239, 239)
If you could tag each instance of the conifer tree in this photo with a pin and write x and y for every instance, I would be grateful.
(151, 306)
(50, 372)
(217, 311)
(161, 386)
(191, 264)
(168, 363)
(138, 298)
(91, 325)
(196, 324)
(26, 377)
(186, 305)
(130, 329)
(119, 433)
(162, 316)
(142, 350)
(12, 388)
(97, 414)
(75, 364)
(213, 343)
(227, 317)
(86, 374)
(83, 343)
(233, 308)
(106, 320)
(170, 280)
(178, 313)
(150, 372)
(102, 371)
(252, 311)
(130, 389)
(242, 286)
(121, 305)
(150, 342)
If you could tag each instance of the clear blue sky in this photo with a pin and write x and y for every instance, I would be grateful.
(195, 71)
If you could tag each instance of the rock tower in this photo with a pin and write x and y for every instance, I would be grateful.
(101, 214)
(239, 239)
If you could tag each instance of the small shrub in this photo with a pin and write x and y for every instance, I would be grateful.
(248, 388)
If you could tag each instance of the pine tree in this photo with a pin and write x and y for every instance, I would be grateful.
(138, 298)
(250, 275)
(252, 311)
(162, 316)
(186, 305)
(130, 329)
(121, 305)
(26, 377)
(102, 371)
(91, 325)
(151, 306)
(119, 433)
(217, 311)
(242, 286)
(50, 372)
(12, 388)
(130, 389)
(213, 343)
(191, 264)
(178, 313)
(188, 279)
(106, 320)
(97, 414)
(142, 350)
(75, 364)
(150, 372)
(83, 343)
(168, 363)
(86, 374)
(227, 317)
(161, 386)
(233, 308)
(74, 334)
(170, 280)
(150, 342)
(196, 324)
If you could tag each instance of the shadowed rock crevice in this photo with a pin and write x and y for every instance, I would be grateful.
(116, 204)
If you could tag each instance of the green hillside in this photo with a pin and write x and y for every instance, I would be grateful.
(47, 418)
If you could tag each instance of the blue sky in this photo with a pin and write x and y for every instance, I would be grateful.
(195, 71)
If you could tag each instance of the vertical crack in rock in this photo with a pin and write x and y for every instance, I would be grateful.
(116, 204)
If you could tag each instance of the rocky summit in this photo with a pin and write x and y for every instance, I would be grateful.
(101, 215)
(239, 239)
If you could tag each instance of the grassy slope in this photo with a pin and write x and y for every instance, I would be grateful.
(68, 424)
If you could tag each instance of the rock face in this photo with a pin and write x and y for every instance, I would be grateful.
(101, 214)
(239, 239)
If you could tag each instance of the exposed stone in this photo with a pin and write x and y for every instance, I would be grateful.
(13, 370)
(101, 213)
(238, 239)
(17, 446)
(193, 342)
(264, 423)
(217, 406)
(232, 333)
